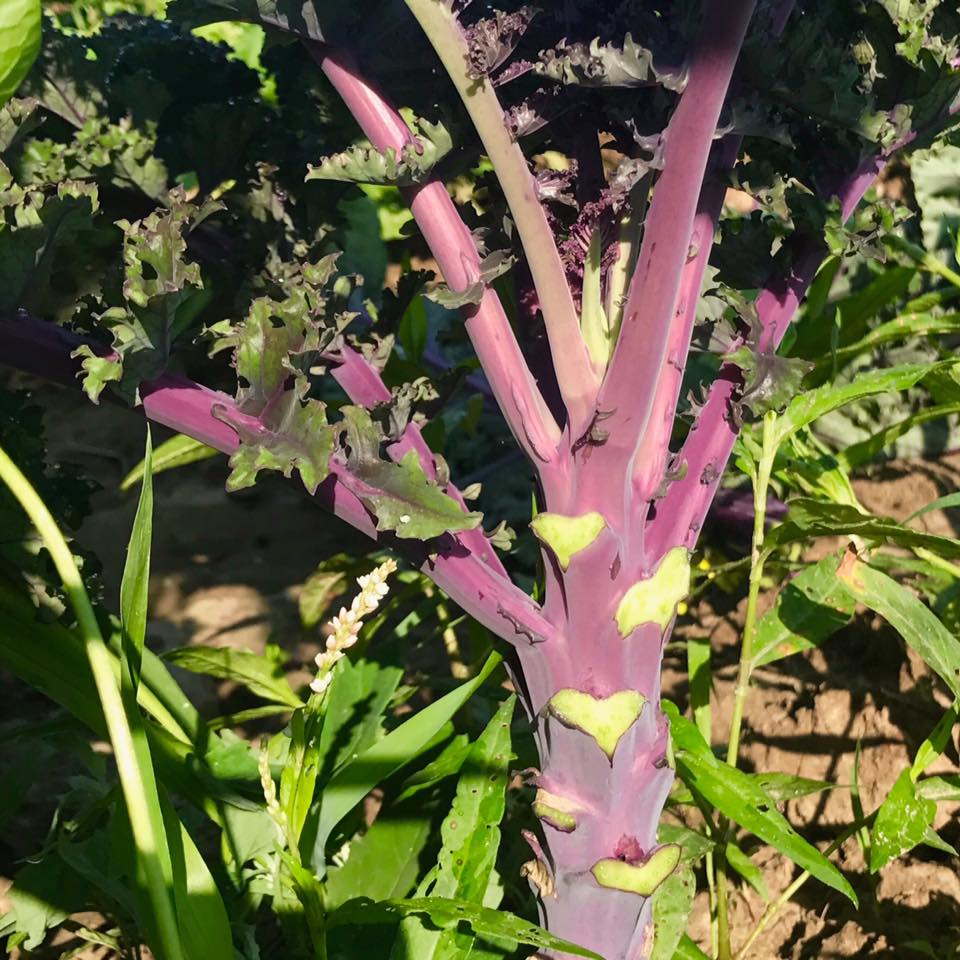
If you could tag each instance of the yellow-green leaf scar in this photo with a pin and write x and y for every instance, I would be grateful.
(606, 719)
(655, 599)
(566, 536)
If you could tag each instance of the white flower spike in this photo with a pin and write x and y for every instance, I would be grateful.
(347, 623)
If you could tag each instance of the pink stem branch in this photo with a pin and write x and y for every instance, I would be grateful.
(654, 449)
(680, 515)
(364, 385)
(456, 254)
(651, 319)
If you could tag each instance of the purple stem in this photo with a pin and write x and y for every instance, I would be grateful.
(652, 323)
(654, 448)
(456, 254)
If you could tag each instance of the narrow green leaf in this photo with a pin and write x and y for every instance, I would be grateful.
(19, 43)
(253, 671)
(672, 903)
(695, 846)
(810, 608)
(470, 837)
(448, 914)
(135, 585)
(909, 616)
(936, 743)
(178, 451)
(939, 789)
(201, 914)
(785, 786)
(356, 779)
(383, 863)
(867, 450)
(740, 797)
(941, 503)
(688, 950)
(747, 869)
(902, 822)
(446, 765)
(355, 708)
(701, 683)
(813, 404)
(813, 518)
(906, 327)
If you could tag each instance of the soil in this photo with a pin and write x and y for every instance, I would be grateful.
(226, 570)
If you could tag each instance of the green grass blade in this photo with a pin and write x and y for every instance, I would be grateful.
(131, 751)
(135, 585)
(178, 451)
(941, 503)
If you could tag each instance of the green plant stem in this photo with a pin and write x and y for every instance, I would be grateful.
(761, 486)
(774, 908)
(758, 558)
(723, 949)
(711, 869)
(148, 839)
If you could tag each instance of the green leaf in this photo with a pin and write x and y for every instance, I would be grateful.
(293, 436)
(470, 838)
(902, 822)
(941, 503)
(135, 585)
(44, 893)
(384, 863)
(357, 778)
(318, 592)
(178, 451)
(447, 764)
(785, 786)
(356, 704)
(694, 846)
(19, 43)
(740, 797)
(162, 294)
(747, 869)
(813, 404)
(933, 840)
(701, 682)
(814, 518)
(201, 914)
(409, 166)
(688, 950)
(399, 494)
(906, 327)
(448, 914)
(939, 789)
(934, 745)
(253, 671)
(908, 615)
(672, 904)
(867, 450)
(769, 380)
(810, 608)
